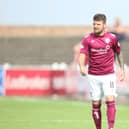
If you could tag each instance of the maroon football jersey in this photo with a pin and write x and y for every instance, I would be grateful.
(101, 52)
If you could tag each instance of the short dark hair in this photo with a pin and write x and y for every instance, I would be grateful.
(100, 17)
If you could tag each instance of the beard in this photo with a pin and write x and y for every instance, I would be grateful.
(98, 32)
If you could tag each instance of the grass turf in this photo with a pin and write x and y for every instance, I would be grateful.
(40, 113)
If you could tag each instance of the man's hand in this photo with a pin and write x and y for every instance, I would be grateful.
(122, 75)
(121, 64)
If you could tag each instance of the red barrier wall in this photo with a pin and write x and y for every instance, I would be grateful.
(31, 82)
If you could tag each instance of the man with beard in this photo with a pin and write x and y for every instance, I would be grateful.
(100, 48)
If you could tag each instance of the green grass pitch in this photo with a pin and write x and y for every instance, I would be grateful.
(40, 113)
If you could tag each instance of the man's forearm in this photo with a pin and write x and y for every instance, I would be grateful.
(120, 60)
(82, 58)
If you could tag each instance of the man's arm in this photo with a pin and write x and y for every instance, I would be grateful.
(82, 59)
(121, 64)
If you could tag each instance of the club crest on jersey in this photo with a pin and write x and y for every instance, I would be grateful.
(107, 47)
(107, 40)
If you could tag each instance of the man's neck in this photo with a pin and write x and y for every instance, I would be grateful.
(101, 34)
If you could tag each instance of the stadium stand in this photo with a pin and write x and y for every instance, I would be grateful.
(42, 45)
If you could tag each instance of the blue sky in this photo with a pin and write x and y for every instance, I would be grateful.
(60, 12)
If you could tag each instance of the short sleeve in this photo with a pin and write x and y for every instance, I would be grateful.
(84, 46)
(116, 45)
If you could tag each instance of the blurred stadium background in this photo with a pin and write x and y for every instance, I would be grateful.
(39, 61)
